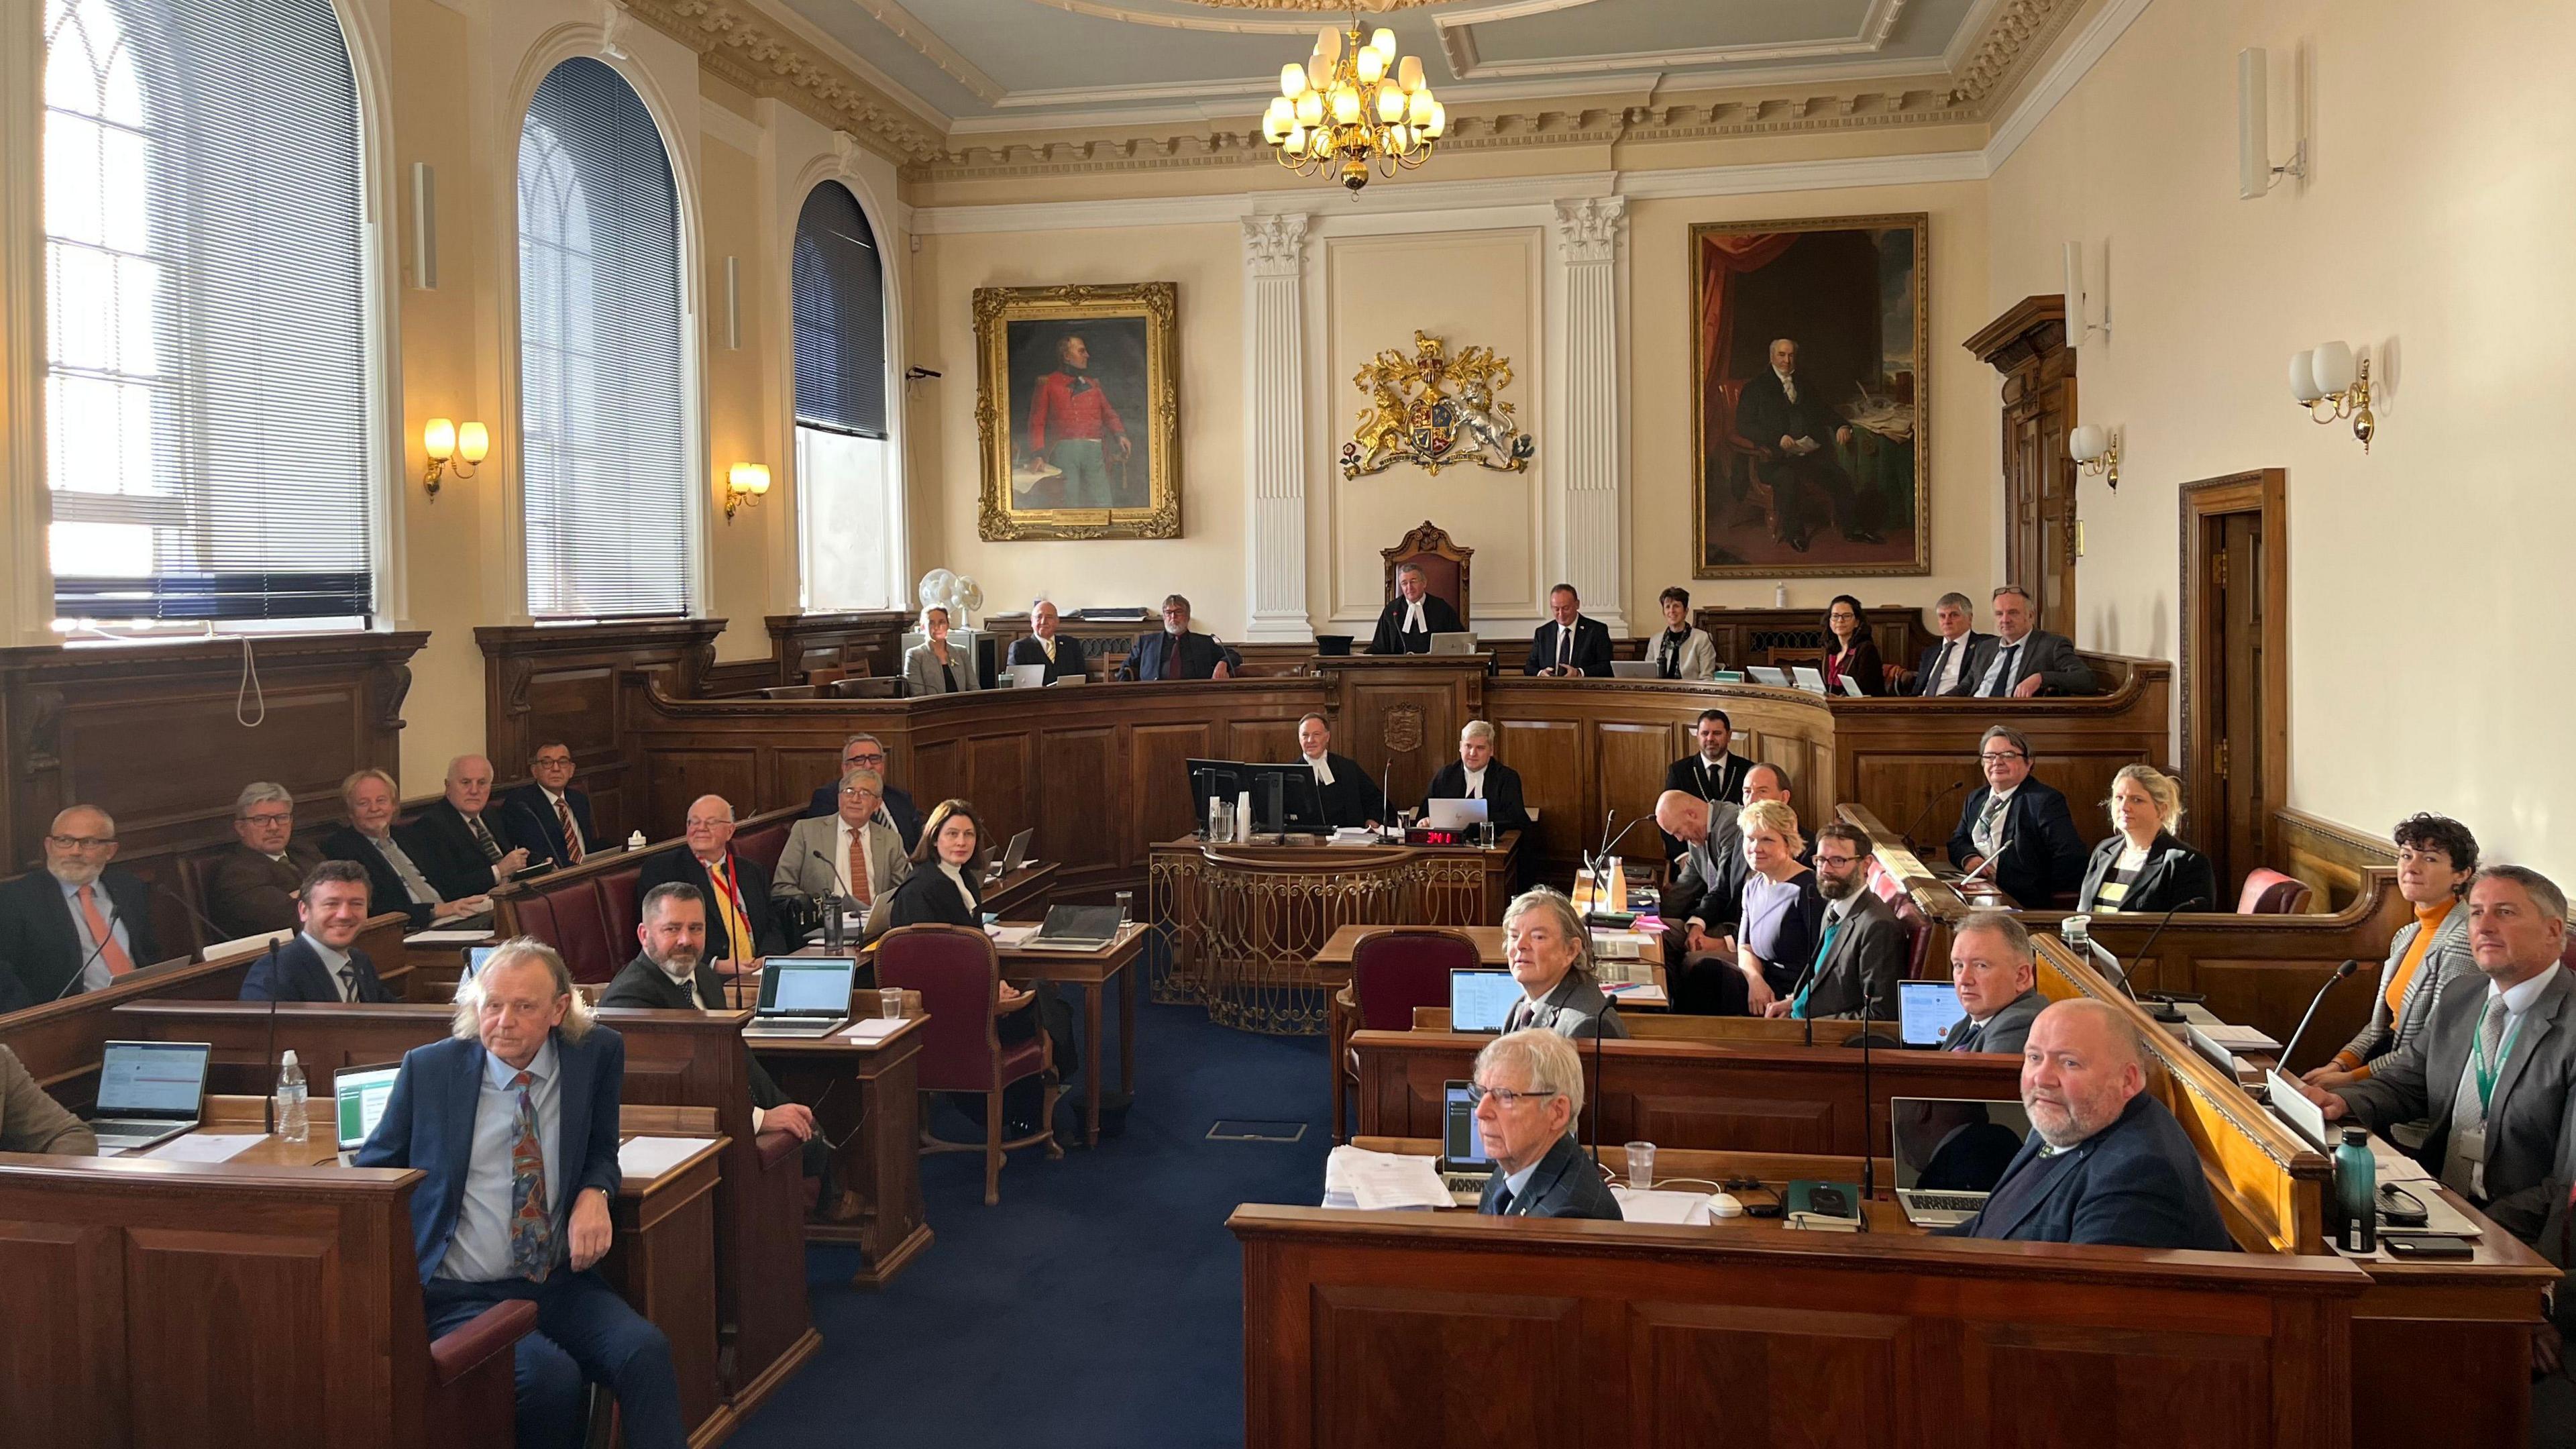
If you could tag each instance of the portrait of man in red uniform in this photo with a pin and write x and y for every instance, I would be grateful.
(1075, 429)
(1078, 408)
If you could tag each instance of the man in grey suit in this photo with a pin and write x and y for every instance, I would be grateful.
(2496, 1068)
(2018, 661)
(1529, 1094)
(853, 853)
(1996, 973)
(1861, 950)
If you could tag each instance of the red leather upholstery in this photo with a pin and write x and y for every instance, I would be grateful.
(1395, 972)
(955, 970)
(473, 1381)
(2270, 893)
(1919, 965)
(760, 846)
(587, 914)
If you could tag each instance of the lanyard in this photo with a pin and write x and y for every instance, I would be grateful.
(2488, 1072)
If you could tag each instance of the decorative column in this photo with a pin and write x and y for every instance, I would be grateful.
(1274, 426)
(1591, 456)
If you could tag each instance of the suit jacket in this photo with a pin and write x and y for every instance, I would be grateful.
(1931, 661)
(2050, 656)
(807, 867)
(532, 818)
(681, 865)
(2173, 875)
(1764, 414)
(644, 985)
(1576, 1008)
(429, 1124)
(247, 893)
(32, 1121)
(2007, 1031)
(1504, 804)
(40, 950)
(2525, 1114)
(1866, 961)
(921, 673)
(2042, 854)
(898, 807)
(1390, 637)
(443, 847)
(1354, 797)
(2446, 961)
(386, 891)
(1196, 656)
(1862, 665)
(1565, 1184)
(1591, 648)
(1698, 657)
(1068, 658)
(294, 972)
(2136, 1183)
(1708, 880)
(1723, 784)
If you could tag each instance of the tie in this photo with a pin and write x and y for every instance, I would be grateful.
(1564, 647)
(348, 982)
(2003, 680)
(1824, 952)
(572, 832)
(1940, 670)
(415, 884)
(2491, 1048)
(491, 848)
(1987, 822)
(738, 942)
(1966, 1039)
(100, 936)
(1503, 1202)
(861, 888)
(532, 1228)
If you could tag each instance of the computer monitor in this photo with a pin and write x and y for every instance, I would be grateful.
(1461, 1144)
(475, 956)
(1926, 1011)
(1286, 798)
(361, 1093)
(1481, 1000)
(1950, 1144)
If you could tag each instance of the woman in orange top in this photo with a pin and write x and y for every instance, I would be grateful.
(2435, 858)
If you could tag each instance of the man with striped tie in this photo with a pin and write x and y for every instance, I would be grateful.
(465, 848)
(739, 925)
(551, 816)
(514, 1121)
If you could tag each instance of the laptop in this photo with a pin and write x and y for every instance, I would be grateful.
(1810, 680)
(1078, 928)
(1028, 676)
(1456, 814)
(149, 1092)
(361, 1094)
(1765, 674)
(1464, 1167)
(1950, 1153)
(1013, 857)
(1927, 1012)
(1481, 1000)
(1065, 679)
(1461, 642)
(475, 956)
(802, 996)
(1632, 669)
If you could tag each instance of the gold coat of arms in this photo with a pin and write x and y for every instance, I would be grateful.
(1436, 411)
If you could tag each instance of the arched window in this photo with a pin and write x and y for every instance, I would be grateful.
(603, 381)
(850, 492)
(208, 401)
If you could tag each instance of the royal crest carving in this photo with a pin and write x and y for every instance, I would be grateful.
(1403, 730)
(1436, 411)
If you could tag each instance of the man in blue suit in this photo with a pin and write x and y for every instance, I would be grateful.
(2021, 825)
(548, 812)
(324, 962)
(2104, 1163)
(515, 1122)
(895, 808)
(1568, 645)
(1529, 1093)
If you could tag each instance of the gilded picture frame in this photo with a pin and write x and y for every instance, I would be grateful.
(1835, 480)
(1077, 404)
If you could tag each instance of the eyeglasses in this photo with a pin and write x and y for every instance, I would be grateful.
(1992, 756)
(854, 761)
(1837, 860)
(274, 817)
(80, 842)
(697, 824)
(1503, 1096)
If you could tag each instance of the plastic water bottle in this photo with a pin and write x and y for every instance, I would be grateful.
(2356, 1193)
(292, 1122)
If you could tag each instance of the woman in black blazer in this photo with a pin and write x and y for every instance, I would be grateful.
(1849, 651)
(2144, 868)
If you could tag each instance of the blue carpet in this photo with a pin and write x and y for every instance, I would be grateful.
(1101, 1303)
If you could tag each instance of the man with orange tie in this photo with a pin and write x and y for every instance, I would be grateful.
(852, 853)
(738, 925)
(548, 811)
(75, 925)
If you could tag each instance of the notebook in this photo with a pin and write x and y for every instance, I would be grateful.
(1459, 643)
(803, 996)
(1950, 1153)
(148, 1092)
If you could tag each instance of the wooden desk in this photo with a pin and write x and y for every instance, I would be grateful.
(1096, 972)
(1774, 1170)
(864, 1095)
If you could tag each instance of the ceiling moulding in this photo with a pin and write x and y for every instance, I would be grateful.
(1457, 39)
(907, 27)
(739, 44)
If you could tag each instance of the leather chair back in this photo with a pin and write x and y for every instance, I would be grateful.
(2270, 893)
(1445, 565)
(955, 970)
(1919, 965)
(1395, 971)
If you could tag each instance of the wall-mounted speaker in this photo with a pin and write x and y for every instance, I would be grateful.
(424, 226)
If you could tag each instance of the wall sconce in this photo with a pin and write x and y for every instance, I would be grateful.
(2097, 450)
(2332, 384)
(443, 440)
(744, 484)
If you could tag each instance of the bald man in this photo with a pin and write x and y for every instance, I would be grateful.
(464, 847)
(76, 925)
(739, 927)
(2105, 1162)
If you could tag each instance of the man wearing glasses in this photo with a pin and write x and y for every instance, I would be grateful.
(1528, 1093)
(2017, 831)
(866, 752)
(251, 887)
(75, 925)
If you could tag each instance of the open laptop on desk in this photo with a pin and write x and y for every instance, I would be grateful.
(149, 1092)
(360, 1094)
(1765, 674)
(1464, 1167)
(1077, 928)
(1950, 1153)
(802, 996)
(1015, 856)
(1456, 814)
(1462, 642)
(1481, 1000)
(1632, 669)
(1927, 1012)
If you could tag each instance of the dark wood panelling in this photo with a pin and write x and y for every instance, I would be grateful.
(1079, 769)
(216, 1309)
(543, 684)
(1157, 759)
(679, 777)
(1705, 1373)
(862, 642)
(1749, 636)
(67, 1380)
(2027, 344)
(1382, 1348)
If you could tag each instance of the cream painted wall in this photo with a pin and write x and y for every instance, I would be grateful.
(2429, 621)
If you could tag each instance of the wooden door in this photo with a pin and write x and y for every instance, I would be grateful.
(2027, 344)
(2235, 671)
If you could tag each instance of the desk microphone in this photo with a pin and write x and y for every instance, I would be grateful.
(1989, 863)
(1926, 813)
(1601, 863)
(86, 962)
(268, 1058)
(2340, 972)
(214, 933)
(831, 903)
(2163, 1011)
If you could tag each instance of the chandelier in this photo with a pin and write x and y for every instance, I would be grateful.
(1342, 112)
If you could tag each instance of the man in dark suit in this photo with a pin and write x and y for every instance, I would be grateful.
(1946, 667)
(1477, 775)
(1060, 655)
(323, 962)
(515, 1125)
(2018, 661)
(1704, 904)
(548, 814)
(1529, 1094)
(1176, 653)
(1568, 644)
(2022, 825)
(739, 929)
(76, 925)
(1800, 429)
(867, 752)
(388, 852)
(1996, 972)
(1714, 773)
(250, 887)
(1408, 621)
(1350, 797)
(463, 846)
(1861, 952)
(2105, 1162)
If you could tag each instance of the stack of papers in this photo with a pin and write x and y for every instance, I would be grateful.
(1007, 936)
(447, 938)
(1353, 835)
(2240, 1039)
(874, 1028)
(653, 1156)
(1374, 1181)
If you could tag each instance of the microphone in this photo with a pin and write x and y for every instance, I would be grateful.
(1926, 813)
(1601, 863)
(529, 812)
(2340, 972)
(86, 962)
(1386, 795)
(2163, 1010)
(1989, 862)
(213, 932)
(1868, 1114)
(268, 1060)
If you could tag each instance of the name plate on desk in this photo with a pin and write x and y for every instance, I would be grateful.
(2295, 1111)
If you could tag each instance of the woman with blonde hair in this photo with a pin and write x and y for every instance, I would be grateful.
(1783, 910)
(2144, 868)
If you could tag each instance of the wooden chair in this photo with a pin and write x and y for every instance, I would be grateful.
(1444, 565)
(955, 970)
(1733, 459)
(2270, 893)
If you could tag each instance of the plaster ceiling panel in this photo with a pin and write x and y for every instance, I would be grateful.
(1739, 34)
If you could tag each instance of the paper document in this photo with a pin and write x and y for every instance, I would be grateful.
(1353, 835)
(207, 1146)
(1689, 1209)
(653, 1156)
(874, 1028)
(1379, 1180)
(447, 938)
(1012, 935)
(2240, 1038)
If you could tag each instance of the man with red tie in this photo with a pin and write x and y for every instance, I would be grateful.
(549, 810)
(1072, 425)
(75, 925)
(739, 930)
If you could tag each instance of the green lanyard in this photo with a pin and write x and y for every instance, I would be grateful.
(2487, 1073)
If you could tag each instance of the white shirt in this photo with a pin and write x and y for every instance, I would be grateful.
(1323, 769)
(1475, 783)
(479, 1251)
(1413, 618)
(964, 891)
(1998, 809)
(2463, 1160)
(332, 961)
(1788, 384)
(1946, 673)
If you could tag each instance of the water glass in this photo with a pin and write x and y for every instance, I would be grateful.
(890, 1003)
(1641, 1166)
(1126, 908)
(1485, 834)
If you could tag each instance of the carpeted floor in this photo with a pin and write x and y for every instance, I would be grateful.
(1101, 1303)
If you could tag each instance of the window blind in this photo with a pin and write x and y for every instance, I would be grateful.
(206, 382)
(602, 384)
(839, 282)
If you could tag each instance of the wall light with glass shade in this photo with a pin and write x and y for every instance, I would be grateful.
(745, 483)
(2097, 450)
(448, 443)
(2332, 383)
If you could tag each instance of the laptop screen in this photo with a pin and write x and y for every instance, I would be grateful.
(1461, 1144)
(1926, 1010)
(806, 985)
(153, 1078)
(362, 1094)
(475, 956)
(1948, 1144)
(1480, 1000)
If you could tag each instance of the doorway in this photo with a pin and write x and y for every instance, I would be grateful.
(2235, 668)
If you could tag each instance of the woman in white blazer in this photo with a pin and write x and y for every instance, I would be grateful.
(1680, 651)
(932, 666)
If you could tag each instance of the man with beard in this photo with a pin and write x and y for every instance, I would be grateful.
(75, 925)
(2104, 1163)
(1860, 955)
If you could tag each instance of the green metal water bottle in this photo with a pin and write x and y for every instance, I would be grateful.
(2356, 1193)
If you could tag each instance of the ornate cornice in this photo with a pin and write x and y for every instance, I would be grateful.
(746, 48)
